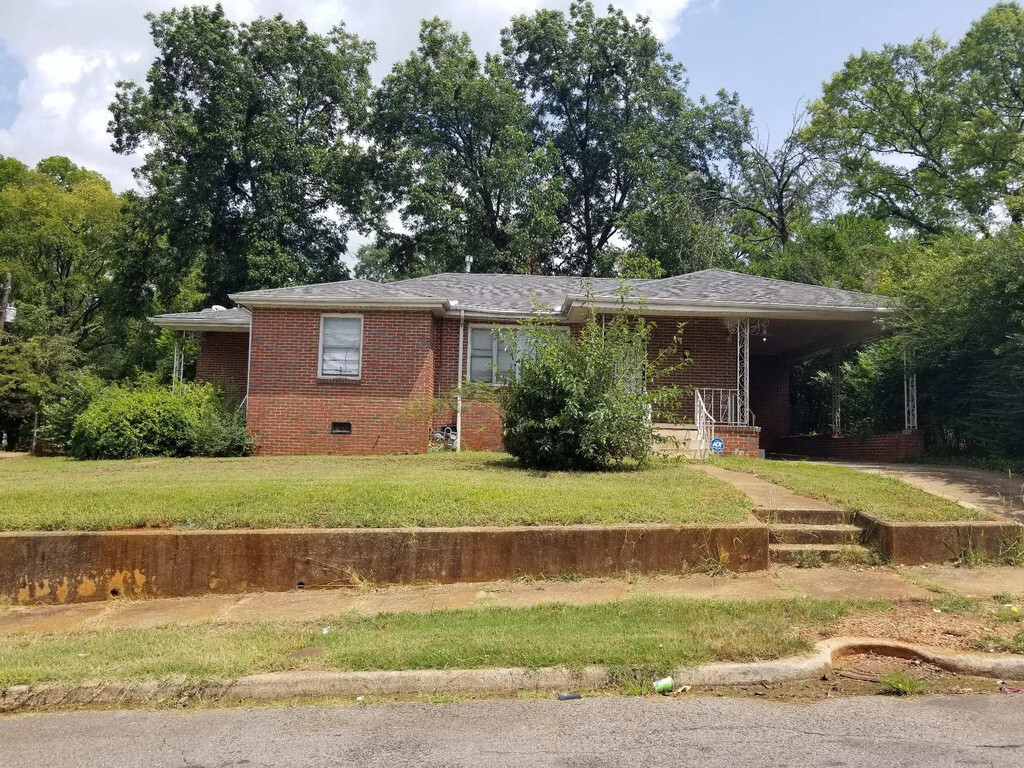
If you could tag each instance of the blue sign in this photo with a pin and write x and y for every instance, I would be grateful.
(718, 445)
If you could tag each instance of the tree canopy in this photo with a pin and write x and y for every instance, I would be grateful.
(251, 138)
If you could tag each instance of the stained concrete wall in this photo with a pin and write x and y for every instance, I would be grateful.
(64, 567)
(918, 543)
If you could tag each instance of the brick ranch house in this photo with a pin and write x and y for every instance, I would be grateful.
(340, 367)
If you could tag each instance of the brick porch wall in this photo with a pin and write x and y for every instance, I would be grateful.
(740, 441)
(711, 348)
(769, 398)
(223, 360)
(290, 409)
(895, 446)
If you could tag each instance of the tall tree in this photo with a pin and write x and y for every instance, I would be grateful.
(58, 227)
(607, 95)
(454, 138)
(932, 136)
(773, 192)
(251, 136)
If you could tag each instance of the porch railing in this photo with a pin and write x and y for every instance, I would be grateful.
(705, 423)
(723, 405)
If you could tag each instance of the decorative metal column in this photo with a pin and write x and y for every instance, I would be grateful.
(743, 371)
(179, 363)
(837, 421)
(909, 393)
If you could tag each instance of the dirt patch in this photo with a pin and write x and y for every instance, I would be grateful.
(922, 623)
(867, 675)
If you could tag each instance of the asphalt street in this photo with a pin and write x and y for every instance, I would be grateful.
(708, 732)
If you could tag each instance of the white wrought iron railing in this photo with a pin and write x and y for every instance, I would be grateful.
(724, 406)
(705, 423)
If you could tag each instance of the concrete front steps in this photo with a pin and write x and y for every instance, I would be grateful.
(813, 536)
(677, 440)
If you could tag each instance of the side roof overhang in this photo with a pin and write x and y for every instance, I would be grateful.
(235, 320)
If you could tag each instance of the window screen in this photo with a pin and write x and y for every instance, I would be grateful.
(341, 346)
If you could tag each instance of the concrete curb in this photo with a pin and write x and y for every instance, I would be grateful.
(285, 685)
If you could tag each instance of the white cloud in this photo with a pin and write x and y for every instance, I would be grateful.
(58, 103)
(76, 51)
(62, 66)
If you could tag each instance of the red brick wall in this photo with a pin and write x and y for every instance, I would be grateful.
(711, 348)
(894, 446)
(290, 410)
(409, 358)
(481, 422)
(769, 398)
(224, 360)
(739, 441)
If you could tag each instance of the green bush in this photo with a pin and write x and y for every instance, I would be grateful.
(586, 402)
(125, 423)
(59, 416)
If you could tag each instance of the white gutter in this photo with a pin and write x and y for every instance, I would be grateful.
(326, 302)
(199, 325)
(719, 309)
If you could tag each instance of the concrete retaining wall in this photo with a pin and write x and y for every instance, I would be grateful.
(66, 567)
(917, 543)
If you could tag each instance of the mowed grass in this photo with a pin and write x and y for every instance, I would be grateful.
(884, 497)
(638, 636)
(295, 491)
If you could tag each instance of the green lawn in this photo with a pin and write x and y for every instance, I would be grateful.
(639, 636)
(425, 490)
(884, 497)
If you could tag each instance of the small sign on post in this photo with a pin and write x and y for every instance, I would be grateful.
(718, 445)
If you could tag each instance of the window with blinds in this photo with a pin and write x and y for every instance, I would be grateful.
(493, 351)
(341, 345)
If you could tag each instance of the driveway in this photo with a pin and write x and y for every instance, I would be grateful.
(603, 732)
(998, 492)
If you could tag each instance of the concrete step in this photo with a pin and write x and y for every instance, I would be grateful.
(789, 533)
(804, 516)
(816, 554)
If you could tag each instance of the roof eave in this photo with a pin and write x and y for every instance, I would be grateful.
(437, 306)
(500, 314)
(724, 309)
(179, 324)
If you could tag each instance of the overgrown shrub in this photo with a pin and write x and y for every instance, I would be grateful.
(59, 416)
(125, 423)
(221, 430)
(587, 402)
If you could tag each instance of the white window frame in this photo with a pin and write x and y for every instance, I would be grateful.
(494, 348)
(320, 349)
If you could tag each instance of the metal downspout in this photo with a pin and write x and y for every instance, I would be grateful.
(458, 396)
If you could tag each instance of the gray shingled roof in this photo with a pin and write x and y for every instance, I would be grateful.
(343, 289)
(520, 294)
(228, 319)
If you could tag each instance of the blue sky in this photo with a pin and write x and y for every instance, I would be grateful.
(59, 59)
(11, 73)
(776, 53)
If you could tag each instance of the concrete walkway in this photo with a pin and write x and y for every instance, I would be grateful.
(779, 583)
(999, 492)
(763, 494)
